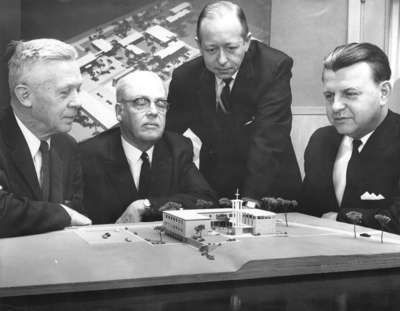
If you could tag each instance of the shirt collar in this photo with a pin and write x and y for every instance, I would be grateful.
(30, 138)
(349, 140)
(220, 82)
(132, 153)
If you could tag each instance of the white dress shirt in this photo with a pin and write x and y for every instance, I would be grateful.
(342, 160)
(33, 145)
(133, 155)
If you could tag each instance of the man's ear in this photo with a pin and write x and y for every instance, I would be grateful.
(23, 94)
(118, 111)
(198, 42)
(386, 90)
(247, 40)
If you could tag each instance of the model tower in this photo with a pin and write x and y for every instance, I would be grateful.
(237, 214)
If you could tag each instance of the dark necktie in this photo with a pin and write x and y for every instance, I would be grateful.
(350, 190)
(225, 95)
(45, 170)
(144, 179)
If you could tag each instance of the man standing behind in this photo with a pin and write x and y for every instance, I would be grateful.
(134, 171)
(40, 172)
(236, 98)
(353, 165)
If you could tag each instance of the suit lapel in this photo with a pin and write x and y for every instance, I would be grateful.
(242, 87)
(330, 157)
(161, 169)
(207, 105)
(20, 154)
(384, 133)
(120, 179)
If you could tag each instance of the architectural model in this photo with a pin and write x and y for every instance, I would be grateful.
(238, 219)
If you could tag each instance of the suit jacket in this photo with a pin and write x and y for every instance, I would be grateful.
(379, 173)
(109, 185)
(22, 210)
(250, 148)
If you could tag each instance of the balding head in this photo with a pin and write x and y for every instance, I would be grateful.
(138, 82)
(219, 10)
(141, 108)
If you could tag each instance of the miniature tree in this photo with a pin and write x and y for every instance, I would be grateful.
(161, 230)
(224, 203)
(355, 218)
(199, 229)
(200, 203)
(170, 206)
(383, 220)
(278, 205)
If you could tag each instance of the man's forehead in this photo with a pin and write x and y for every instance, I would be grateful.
(56, 72)
(353, 75)
(155, 90)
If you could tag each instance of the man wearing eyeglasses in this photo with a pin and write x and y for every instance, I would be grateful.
(134, 171)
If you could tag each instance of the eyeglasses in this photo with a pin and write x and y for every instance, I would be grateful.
(144, 103)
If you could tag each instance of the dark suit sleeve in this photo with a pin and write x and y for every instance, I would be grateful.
(180, 113)
(19, 215)
(270, 144)
(307, 201)
(74, 197)
(192, 186)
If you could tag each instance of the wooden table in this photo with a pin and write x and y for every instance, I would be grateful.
(78, 260)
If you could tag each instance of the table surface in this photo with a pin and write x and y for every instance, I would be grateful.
(81, 260)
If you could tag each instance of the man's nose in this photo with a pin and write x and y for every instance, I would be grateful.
(338, 103)
(222, 59)
(152, 108)
(75, 100)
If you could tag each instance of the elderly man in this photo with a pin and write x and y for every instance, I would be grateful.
(134, 171)
(236, 98)
(40, 172)
(353, 165)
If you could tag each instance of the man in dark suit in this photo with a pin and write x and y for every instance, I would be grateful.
(136, 170)
(236, 98)
(40, 172)
(353, 164)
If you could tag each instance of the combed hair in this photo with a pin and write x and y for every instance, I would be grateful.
(353, 53)
(24, 54)
(219, 9)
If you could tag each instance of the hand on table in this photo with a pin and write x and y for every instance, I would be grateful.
(77, 219)
(330, 215)
(133, 213)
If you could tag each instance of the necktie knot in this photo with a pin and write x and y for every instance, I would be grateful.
(356, 144)
(227, 82)
(144, 156)
(44, 146)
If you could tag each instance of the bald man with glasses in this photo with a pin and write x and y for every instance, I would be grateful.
(134, 171)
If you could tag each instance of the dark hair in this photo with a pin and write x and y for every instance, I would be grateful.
(218, 8)
(352, 53)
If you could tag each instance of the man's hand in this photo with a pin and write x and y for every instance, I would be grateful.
(133, 213)
(330, 215)
(77, 219)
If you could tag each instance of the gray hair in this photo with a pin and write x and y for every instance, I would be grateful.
(27, 53)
